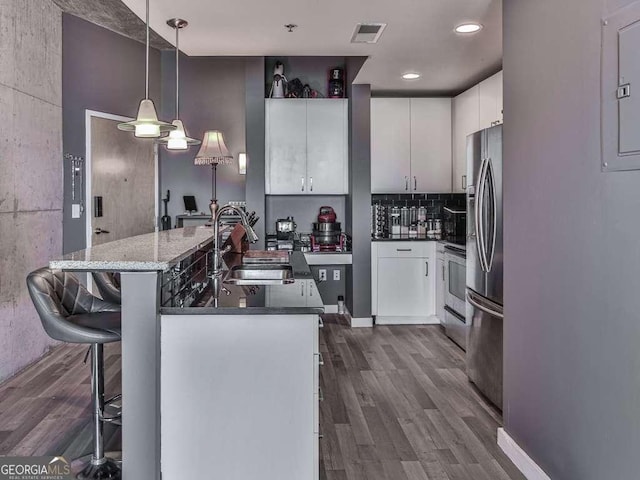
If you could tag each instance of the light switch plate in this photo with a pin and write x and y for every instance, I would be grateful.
(75, 210)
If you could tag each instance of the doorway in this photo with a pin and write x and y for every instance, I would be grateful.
(122, 181)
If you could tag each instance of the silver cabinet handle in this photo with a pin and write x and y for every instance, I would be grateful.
(464, 182)
(311, 183)
(406, 183)
(443, 273)
(403, 250)
(320, 322)
(415, 183)
(302, 180)
(302, 288)
(427, 264)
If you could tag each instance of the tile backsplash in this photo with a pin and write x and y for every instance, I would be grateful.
(433, 203)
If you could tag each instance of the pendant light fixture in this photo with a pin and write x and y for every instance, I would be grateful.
(146, 124)
(177, 139)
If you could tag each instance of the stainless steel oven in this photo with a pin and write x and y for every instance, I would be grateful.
(455, 277)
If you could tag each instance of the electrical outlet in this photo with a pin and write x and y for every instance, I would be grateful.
(336, 275)
(322, 275)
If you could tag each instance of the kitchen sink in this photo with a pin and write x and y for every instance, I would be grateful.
(251, 274)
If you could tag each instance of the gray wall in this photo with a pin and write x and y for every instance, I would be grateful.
(572, 256)
(330, 289)
(359, 201)
(212, 97)
(101, 71)
(254, 132)
(304, 209)
(31, 166)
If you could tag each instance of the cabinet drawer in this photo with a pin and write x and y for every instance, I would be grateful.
(415, 249)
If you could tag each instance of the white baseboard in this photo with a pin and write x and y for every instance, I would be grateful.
(365, 322)
(426, 320)
(519, 457)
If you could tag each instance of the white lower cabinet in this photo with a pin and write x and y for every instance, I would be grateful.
(290, 295)
(440, 284)
(239, 397)
(403, 282)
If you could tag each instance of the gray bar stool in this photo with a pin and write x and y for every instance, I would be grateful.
(69, 313)
(108, 284)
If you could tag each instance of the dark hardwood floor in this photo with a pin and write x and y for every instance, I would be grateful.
(397, 406)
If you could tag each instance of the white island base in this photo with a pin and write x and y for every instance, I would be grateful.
(239, 397)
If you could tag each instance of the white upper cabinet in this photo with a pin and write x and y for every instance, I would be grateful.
(490, 93)
(466, 120)
(390, 145)
(327, 146)
(430, 145)
(286, 146)
(306, 146)
(410, 145)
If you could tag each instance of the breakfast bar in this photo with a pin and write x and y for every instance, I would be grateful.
(214, 371)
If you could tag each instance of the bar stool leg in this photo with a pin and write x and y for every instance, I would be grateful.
(100, 466)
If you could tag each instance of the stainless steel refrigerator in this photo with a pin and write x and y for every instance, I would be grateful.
(484, 306)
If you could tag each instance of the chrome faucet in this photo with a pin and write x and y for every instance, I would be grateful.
(217, 253)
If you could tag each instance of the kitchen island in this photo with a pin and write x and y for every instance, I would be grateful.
(226, 390)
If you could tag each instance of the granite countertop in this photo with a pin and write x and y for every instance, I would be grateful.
(290, 299)
(157, 251)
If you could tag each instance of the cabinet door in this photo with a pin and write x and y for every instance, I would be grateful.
(286, 147)
(489, 91)
(430, 145)
(440, 289)
(327, 147)
(403, 287)
(390, 145)
(290, 295)
(466, 120)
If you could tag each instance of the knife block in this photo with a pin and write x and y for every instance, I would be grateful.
(237, 240)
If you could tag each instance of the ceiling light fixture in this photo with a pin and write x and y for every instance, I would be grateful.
(291, 27)
(411, 76)
(146, 124)
(468, 28)
(177, 139)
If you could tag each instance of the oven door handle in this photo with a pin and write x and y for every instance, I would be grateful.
(484, 308)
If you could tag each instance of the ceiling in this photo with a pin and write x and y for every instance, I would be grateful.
(419, 37)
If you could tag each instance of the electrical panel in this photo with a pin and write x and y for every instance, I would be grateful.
(620, 121)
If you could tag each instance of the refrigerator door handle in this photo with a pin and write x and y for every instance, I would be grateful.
(479, 216)
(484, 308)
(494, 218)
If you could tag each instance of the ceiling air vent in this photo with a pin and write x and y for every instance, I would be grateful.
(368, 32)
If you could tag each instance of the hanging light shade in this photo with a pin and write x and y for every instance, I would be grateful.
(178, 139)
(213, 150)
(146, 124)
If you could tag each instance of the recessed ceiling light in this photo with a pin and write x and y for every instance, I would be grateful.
(411, 76)
(468, 28)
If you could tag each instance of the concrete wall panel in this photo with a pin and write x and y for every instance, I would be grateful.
(31, 166)
(37, 147)
(30, 32)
